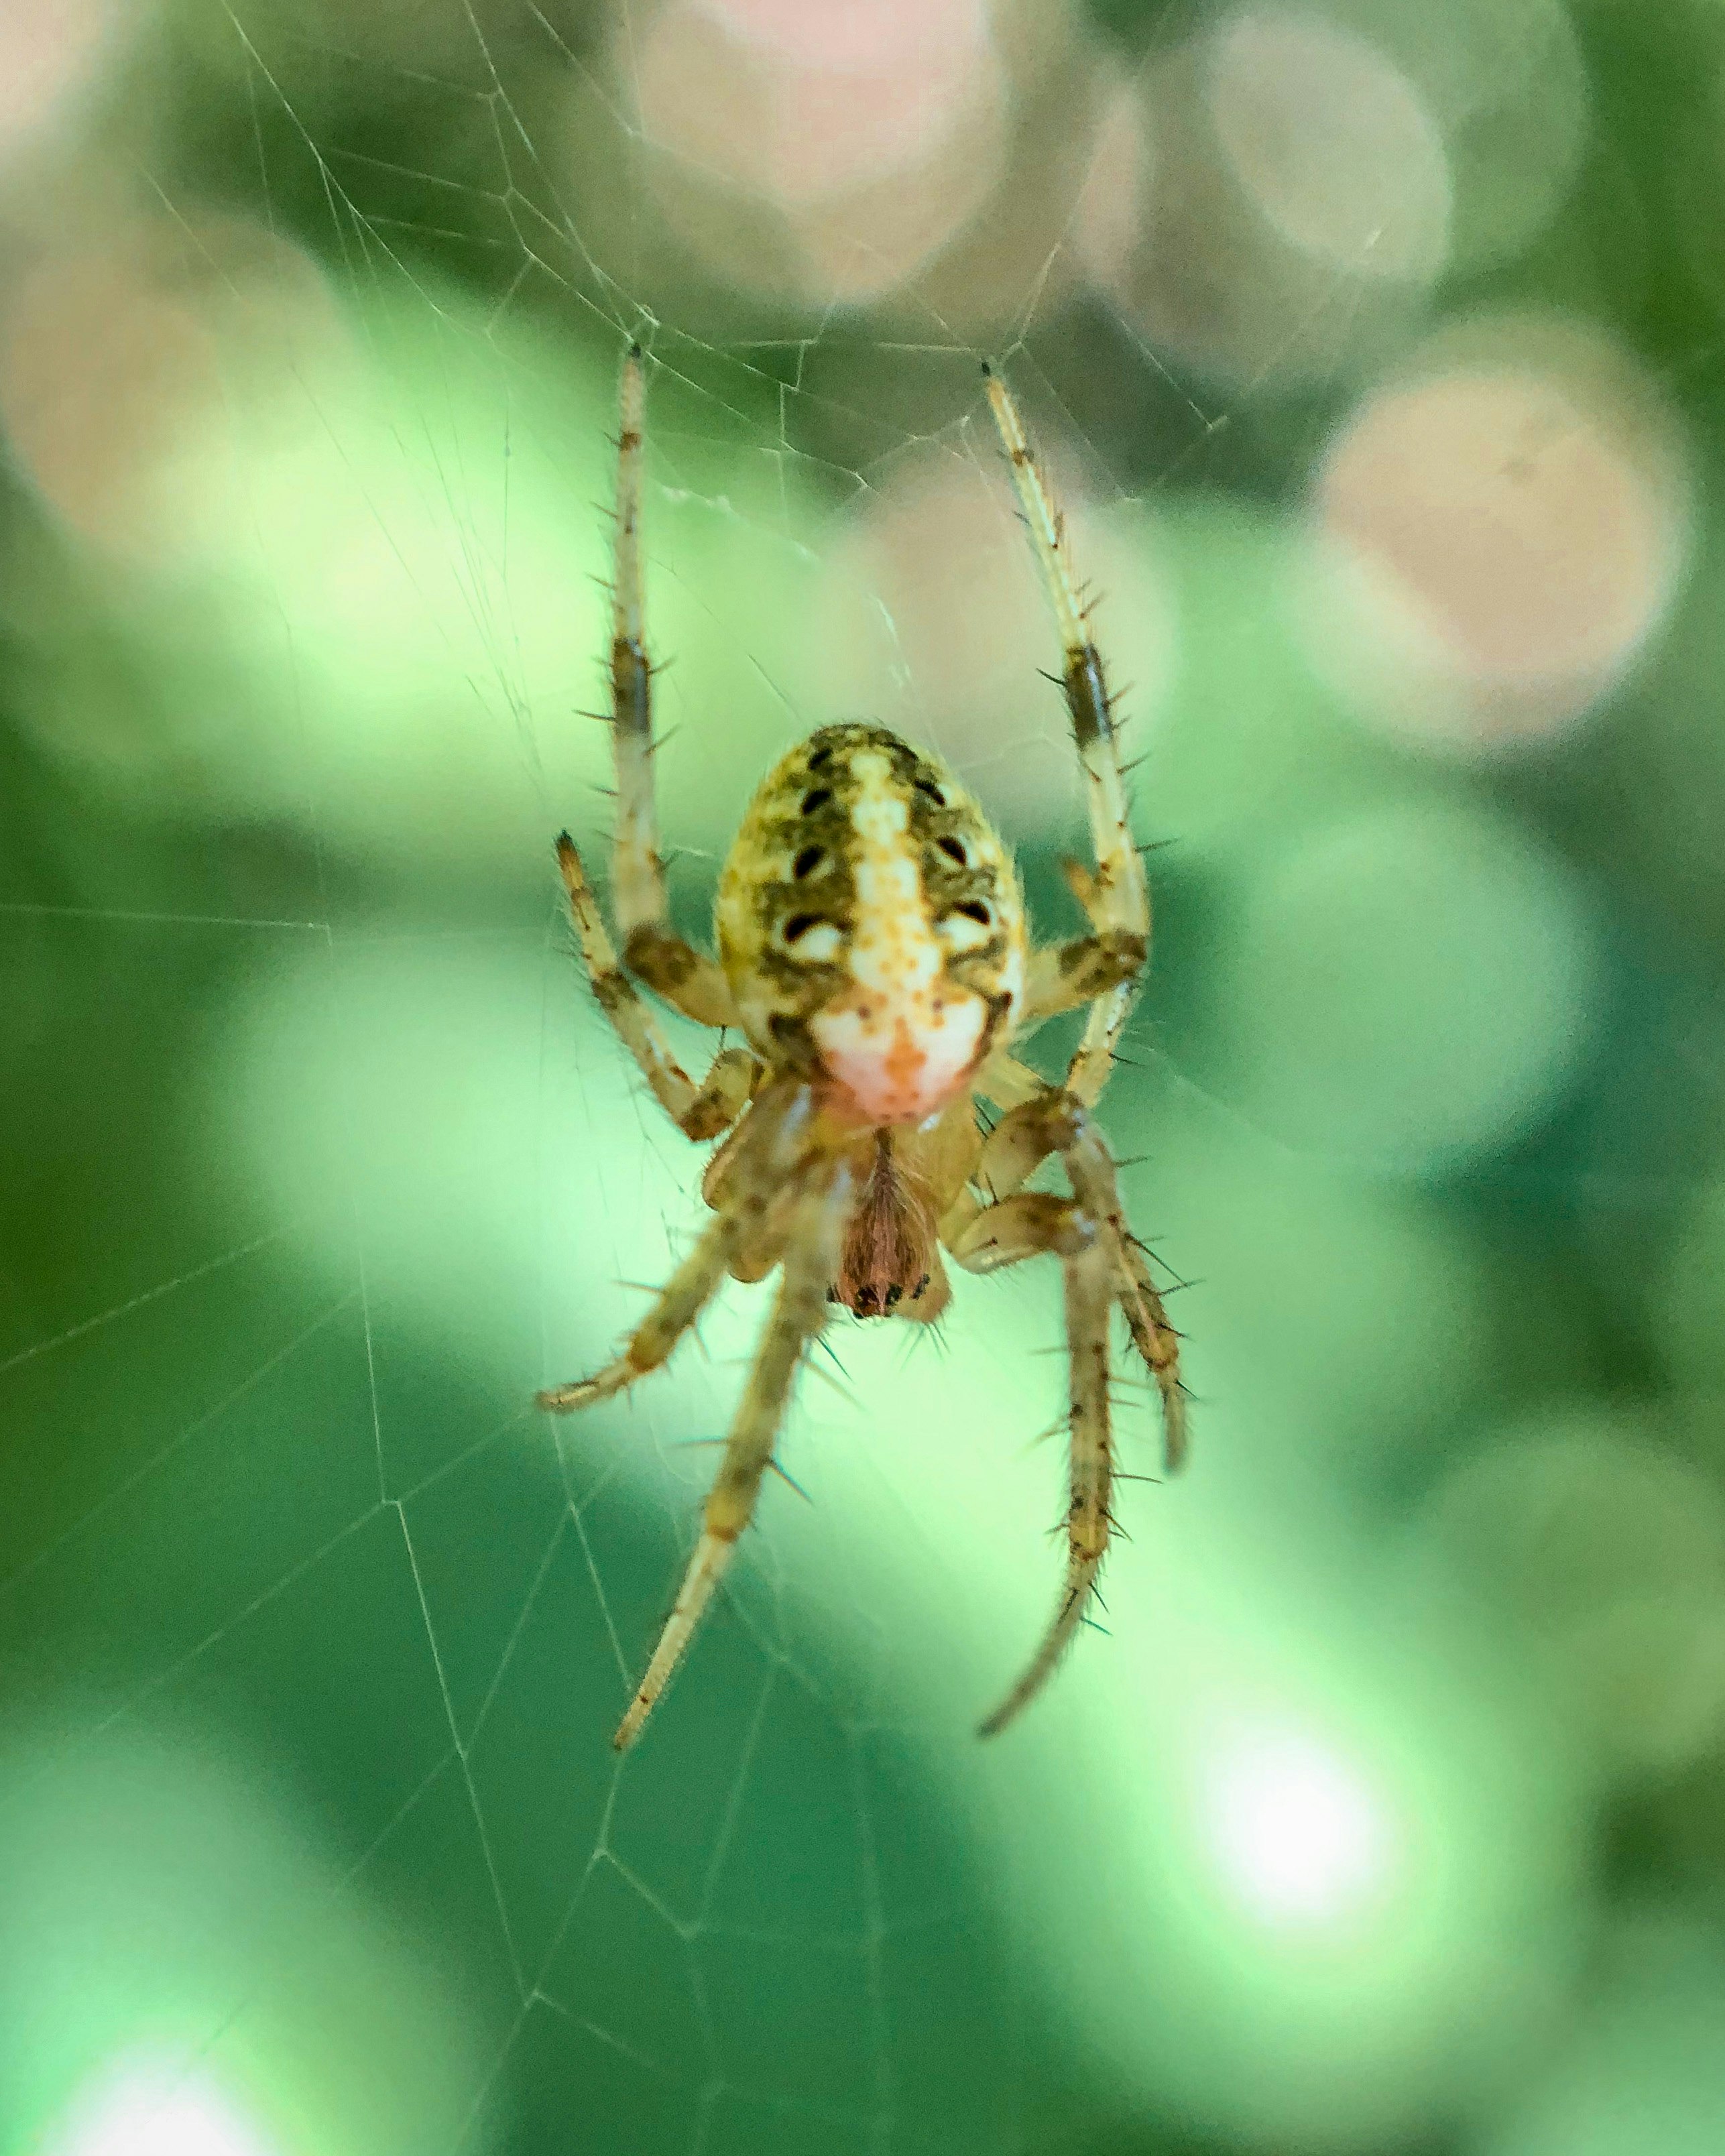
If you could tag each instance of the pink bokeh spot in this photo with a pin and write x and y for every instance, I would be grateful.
(46, 51)
(1513, 522)
(797, 118)
(865, 37)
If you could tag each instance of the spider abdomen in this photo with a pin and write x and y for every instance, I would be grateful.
(872, 926)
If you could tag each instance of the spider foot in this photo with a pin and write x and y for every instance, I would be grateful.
(569, 1400)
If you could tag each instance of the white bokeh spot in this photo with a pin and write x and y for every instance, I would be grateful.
(145, 2109)
(1301, 1834)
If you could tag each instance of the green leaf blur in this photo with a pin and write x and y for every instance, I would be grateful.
(1376, 356)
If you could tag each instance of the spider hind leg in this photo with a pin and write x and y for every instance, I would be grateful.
(798, 1314)
(1102, 1265)
(1089, 1294)
(771, 1156)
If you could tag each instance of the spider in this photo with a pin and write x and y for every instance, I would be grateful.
(874, 956)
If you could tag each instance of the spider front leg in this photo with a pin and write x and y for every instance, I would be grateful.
(699, 1111)
(1116, 897)
(810, 1261)
(672, 967)
(1062, 976)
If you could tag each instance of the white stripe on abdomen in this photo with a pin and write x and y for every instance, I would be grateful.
(900, 1040)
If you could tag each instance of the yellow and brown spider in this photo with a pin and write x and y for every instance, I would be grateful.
(873, 954)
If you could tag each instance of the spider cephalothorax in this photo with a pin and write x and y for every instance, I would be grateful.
(873, 953)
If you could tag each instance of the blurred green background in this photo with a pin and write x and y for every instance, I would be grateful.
(1376, 353)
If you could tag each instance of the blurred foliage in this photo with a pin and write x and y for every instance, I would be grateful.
(318, 1161)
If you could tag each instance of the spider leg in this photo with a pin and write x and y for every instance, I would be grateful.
(757, 1251)
(1116, 898)
(778, 1130)
(1019, 1227)
(1159, 1344)
(1025, 1137)
(1054, 1123)
(672, 967)
(1061, 976)
(811, 1258)
(699, 1111)
(1006, 1081)
(931, 1305)
(1091, 1167)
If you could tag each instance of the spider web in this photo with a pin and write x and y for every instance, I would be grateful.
(315, 1632)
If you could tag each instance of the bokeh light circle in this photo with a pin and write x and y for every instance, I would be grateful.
(1299, 1830)
(1603, 1553)
(1410, 983)
(1500, 529)
(1505, 84)
(1331, 145)
(1290, 194)
(1640, 2067)
(132, 367)
(48, 56)
(818, 153)
(1687, 1297)
(147, 2108)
